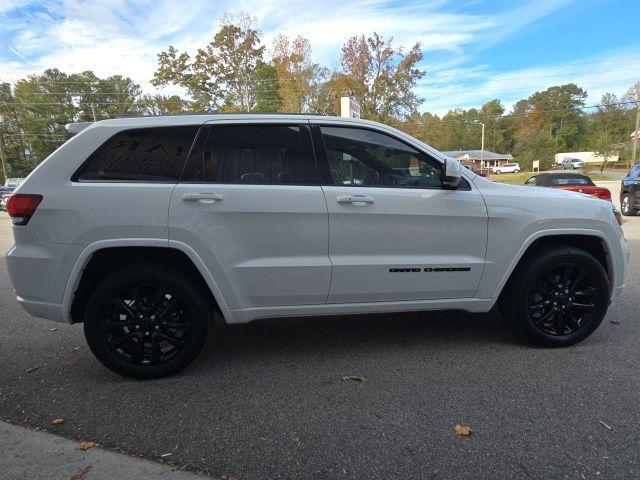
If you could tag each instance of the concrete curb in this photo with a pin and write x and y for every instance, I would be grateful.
(28, 454)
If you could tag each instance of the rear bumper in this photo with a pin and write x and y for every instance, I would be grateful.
(50, 311)
(39, 273)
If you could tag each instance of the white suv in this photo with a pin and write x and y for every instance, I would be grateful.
(142, 228)
(506, 168)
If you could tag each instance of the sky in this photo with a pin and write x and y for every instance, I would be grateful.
(474, 50)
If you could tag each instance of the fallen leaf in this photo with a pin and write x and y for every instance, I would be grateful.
(79, 475)
(53, 329)
(32, 369)
(57, 421)
(604, 424)
(165, 455)
(85, 446)
(463, 430)
(615, 322)
(76, 349)
(354, 378)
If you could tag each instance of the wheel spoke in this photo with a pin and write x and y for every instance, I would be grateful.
(176, 342)
(167, 308)
(586, 292)
(116, 342)
(155, 350)
(545, 318)
(584, 306)
(577, 280)
(119, 303)
(573, 323)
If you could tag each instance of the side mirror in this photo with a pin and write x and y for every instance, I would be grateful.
(452, 172)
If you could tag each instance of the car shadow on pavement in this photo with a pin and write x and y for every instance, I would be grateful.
(378, 333)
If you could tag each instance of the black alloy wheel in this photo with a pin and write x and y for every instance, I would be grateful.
(145, 325)
(147, 321)
(563, 300)
(557, 297)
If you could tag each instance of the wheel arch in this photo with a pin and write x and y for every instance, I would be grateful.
(592, 241)
(102, 258)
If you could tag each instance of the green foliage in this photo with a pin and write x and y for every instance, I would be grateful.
(234, 72)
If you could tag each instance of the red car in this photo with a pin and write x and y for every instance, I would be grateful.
(576, 182)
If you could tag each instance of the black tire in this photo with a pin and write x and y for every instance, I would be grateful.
(498, 172)
(147, 321)
(626, 206)
(528, 302)
(516, 171)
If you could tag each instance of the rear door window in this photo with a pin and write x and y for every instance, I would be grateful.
(140, 155)
(252, 154)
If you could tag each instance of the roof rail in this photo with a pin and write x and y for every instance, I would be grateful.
(76, 127)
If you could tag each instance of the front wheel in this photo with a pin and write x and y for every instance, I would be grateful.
(626, 206)
(145, 321)
(498, 172)
(558, 297)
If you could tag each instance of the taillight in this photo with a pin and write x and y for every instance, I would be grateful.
(21, 206)
(603, 193)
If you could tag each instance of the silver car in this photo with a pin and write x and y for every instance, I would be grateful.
(572, 164)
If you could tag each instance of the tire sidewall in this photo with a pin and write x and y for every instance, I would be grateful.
(191, 299)
(518, 307)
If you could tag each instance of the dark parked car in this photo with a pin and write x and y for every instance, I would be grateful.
(630, 192)
(575, 182)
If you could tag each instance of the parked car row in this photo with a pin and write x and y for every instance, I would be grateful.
(9, 186)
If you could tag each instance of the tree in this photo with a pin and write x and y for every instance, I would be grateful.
(561, 109)
(268, 98)
(608, 127)
(490, 114)
(223, 74)
(161, 105)
(380, 76)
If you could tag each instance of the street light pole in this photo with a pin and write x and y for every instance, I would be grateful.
(2, 156)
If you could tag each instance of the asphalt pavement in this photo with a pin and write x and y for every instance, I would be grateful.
(268, 400)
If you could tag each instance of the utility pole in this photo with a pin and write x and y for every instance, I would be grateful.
(636, 132)
(3, 154)
(93, 112)
(482, 148)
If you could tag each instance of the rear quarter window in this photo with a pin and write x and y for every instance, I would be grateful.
(140, 155)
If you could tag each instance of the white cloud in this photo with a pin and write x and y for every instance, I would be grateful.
(124, 36)
(612, 71)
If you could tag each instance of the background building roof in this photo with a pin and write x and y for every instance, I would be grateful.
(475, 154)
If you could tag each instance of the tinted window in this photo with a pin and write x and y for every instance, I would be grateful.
(148, 155)
(360, 157)
(571, 181)
(635, 171)
(531, 181)
(253, 154)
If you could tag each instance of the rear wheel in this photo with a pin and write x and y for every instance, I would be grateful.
(498, 172)
(516, 171)
(145, 321)
(626, 205)
(558, 297)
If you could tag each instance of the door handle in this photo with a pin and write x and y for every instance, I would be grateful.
(202, 197)
(354, 199)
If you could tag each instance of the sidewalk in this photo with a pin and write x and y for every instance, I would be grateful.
(27, 454)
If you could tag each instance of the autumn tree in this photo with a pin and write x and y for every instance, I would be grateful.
(157, 104)
(223, 74)
(381, 76)
(302, 83)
